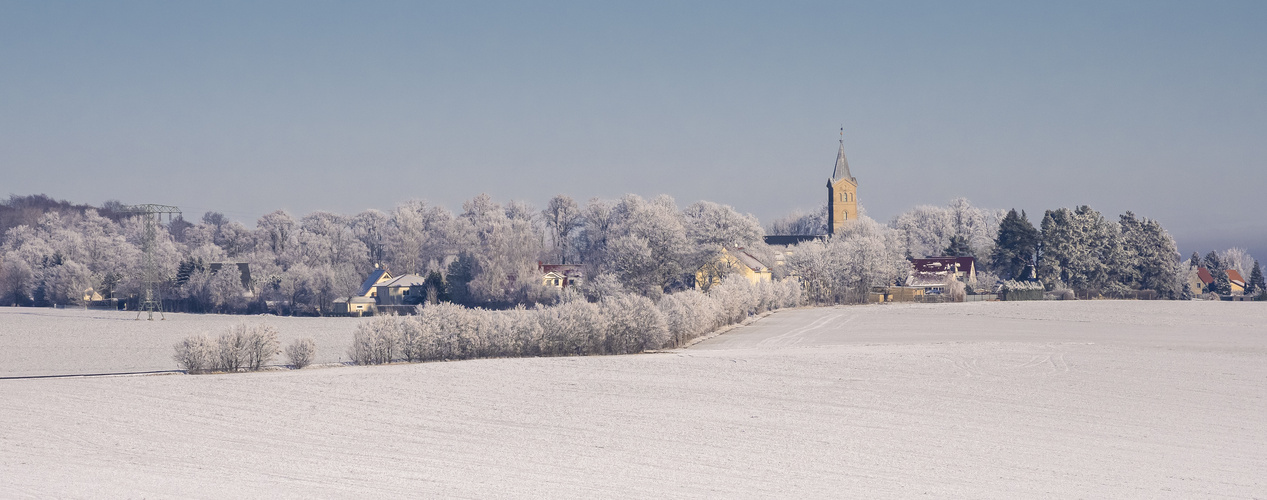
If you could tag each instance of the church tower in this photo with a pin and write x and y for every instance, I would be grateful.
(842, 192)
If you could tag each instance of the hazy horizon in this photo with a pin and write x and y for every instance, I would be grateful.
(243, 108)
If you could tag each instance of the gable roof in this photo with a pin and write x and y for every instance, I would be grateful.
(1235, 277)
(570, 270)
(1204, 275)
(375, 277)
(746, 259)
(405, 280)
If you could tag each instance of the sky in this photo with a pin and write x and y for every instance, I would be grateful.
(248, 107)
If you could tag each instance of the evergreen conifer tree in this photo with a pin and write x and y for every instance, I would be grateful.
(1212, 262)
(1195, 261)
(1256, 284)
(958, 247)
(1015, 245)
(1222, 285)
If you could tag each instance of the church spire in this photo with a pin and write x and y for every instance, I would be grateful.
(842, 165)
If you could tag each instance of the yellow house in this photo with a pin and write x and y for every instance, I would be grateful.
(365, 300)
(561, 275)
(731, 260)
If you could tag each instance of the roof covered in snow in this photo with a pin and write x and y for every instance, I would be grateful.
(375, 277)
(406, 281)
(943, 264)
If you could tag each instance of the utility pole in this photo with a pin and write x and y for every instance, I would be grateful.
(152, 217)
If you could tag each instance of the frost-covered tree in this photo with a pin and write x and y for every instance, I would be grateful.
(1195, 261)
(1150, 259)
(1237, 258)
(596, 230)
(562, 217)
(418, 237)
(370, 228)
(1080, 249)
(503, 249)
(645, 246)
(712, 224)
(927, 230)
(843, 270)
(800, 223)
(276, 232)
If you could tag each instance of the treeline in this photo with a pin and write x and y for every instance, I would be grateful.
(484, 256)
(1071, 249)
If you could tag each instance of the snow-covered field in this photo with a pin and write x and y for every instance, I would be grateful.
(43, 341)
(1002, 400)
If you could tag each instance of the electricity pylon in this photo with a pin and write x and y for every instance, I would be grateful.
(151, 216)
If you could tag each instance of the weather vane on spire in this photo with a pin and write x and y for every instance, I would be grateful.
(842, 132)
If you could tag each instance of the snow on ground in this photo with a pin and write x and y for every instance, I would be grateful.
(999, 400)
(44, 341)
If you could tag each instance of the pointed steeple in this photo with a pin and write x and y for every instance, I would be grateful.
(842, 165)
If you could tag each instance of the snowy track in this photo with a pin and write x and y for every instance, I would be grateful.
(996, 400)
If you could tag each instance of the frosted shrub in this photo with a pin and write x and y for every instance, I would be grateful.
(573, 328)
(376, 341)
(231, 348)
(453, 331)
(243, 347)
(415, 341)
(689, 314)
(736, 298)
(196, 354)
(261, 346)
(301, 352)
(633, 324)
(790, 293)
(524, 331)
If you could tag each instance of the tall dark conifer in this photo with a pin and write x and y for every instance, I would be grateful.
(1015, 245)
(1212, 262)
(1195, 261)
(1256, 284)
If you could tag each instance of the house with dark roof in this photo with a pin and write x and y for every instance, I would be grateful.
(963, 268)
(561, 275)
(365, 300)
(408, 289)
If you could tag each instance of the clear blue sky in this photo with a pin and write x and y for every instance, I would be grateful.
(247, 107)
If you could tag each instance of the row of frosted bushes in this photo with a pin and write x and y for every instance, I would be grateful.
(242, 348)
(617, 324)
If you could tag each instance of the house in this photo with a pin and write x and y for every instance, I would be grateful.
(1238, 283)
(561, 275)
(930, 283)
(732, 260)
(408, 289)
(364, 301)
(963, 268)
(1233, 277)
